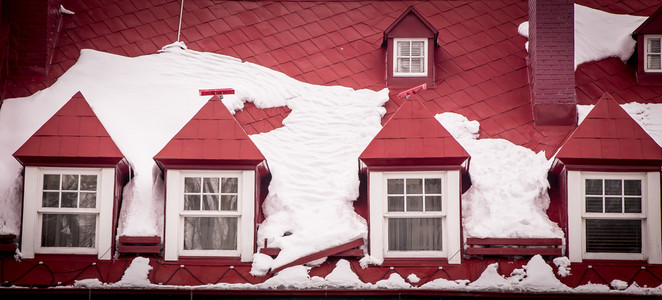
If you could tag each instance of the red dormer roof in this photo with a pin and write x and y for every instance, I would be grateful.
(652, 25)
(609, 136)
(212, 138)
(413, 137)
(74, 136)
(414, 25)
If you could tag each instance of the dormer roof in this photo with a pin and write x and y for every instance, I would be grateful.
(652, 25)
(211, 139)
(74, 136)
(413, 137)
(411, 24)
(609, 136)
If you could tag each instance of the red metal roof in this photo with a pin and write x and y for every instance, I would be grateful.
(211, 138)
(609, 135)
(481, 60)
(73, 136)
(413, 137)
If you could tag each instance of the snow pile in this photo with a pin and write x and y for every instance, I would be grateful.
(563, 265)
(599, 34)
(490, 279)
(647, 115)
(508, 197)
(540, 276)
(394, 281)
(144, 101)
(136, 274)
(343, 276)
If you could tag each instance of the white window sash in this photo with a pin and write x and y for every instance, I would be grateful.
(424, 55)
(33, 212)
(450, 220)
(175, 214)
(652, 54)
(649, 216)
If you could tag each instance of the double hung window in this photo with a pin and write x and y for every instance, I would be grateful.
(653, 53)
(410, 57)
(414, 214)
(68, 210)
(210, 213)
(613, 214)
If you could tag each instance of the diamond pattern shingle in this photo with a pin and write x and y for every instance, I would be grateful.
(481, 61)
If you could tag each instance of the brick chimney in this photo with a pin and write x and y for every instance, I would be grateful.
(551, 58)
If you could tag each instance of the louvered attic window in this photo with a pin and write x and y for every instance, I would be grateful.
(653, 53)
(613, 215)
(410, 57)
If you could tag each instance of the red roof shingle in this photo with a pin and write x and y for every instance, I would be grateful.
(73, 136)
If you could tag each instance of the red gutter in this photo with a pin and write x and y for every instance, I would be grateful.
(324, 253)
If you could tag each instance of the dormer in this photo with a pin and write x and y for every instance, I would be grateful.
(649, 50)
(410, 43)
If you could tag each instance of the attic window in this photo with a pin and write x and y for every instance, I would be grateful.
(653, 53)
(410, 57)
(68, 210)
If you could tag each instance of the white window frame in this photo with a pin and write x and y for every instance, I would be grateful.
(646, 53)
(649, 216)
(33, 211)
(425, 58)
(450, 214)
(175, 214)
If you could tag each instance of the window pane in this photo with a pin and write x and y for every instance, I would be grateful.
(432, 203)
(69, 199)
(50, 199)
(414, 203)
(593, 186)
(191, 185)
(414, 186)
(70, 182)
(88, 182)
(210, 202)
(51, 182)
(414, 234)
(191, 202)
(395, 186)
(654, 45)
(417, 48)
(403, 65)
(613, 187)
(403, 48)
(417, 65)
(613, 236)
(632, 187)
(594, 204)
(613, 205)
(210, 185)
(210, 233)
(633, 205)
(229, 202)
(654, 62)
(433, 186)
(88, 200)
(60, 230)
(230, 185)
(396, 203)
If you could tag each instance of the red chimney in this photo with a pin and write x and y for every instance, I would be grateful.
(551, 57)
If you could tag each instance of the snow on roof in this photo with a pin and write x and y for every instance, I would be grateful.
(599, 34)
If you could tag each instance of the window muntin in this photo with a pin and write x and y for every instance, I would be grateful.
(410, 57)
(210, 214)
(414, 215)
(613, 215)
(67, 211)
(653, 53)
